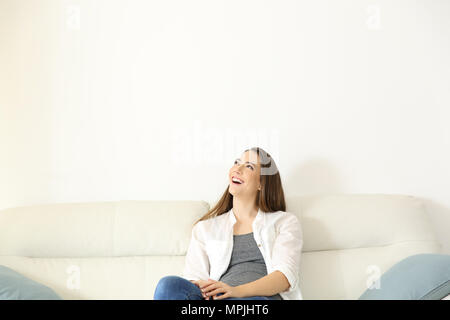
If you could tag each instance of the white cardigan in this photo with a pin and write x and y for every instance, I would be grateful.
(278, 235)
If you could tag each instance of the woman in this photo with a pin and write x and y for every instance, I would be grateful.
(246, 247)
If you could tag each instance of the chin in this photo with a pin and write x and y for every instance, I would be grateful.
(232, 191)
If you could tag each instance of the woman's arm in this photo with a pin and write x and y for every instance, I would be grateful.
(196, 265)
(271, 284)
(286, 257)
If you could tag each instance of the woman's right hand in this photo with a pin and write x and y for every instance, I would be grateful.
(201, 283)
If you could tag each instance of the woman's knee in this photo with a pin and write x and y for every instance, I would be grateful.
(176, 288)
(167, 282)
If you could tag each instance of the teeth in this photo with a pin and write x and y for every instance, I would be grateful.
(237, 180)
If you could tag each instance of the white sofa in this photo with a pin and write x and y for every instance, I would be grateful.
(120, 250)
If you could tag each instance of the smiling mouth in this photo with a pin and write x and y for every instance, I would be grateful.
(235, 180)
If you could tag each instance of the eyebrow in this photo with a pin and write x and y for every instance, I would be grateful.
(247, 162)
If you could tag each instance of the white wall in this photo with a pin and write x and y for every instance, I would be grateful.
(108, 100)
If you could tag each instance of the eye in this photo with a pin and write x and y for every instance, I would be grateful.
(248, 166)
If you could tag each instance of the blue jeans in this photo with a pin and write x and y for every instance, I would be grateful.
(178, 288)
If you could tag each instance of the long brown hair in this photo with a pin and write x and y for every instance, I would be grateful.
(269, 199)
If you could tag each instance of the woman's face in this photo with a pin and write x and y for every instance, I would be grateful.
(247, 170)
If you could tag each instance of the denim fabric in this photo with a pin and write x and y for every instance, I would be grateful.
(178, 288)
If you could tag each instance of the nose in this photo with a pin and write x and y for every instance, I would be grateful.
(239, 168)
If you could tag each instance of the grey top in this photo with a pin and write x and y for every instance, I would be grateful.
(247, 263)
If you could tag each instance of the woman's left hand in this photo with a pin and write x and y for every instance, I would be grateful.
(211, 290)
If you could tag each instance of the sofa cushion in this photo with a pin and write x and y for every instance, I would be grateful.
(14, 286)
(417, 277)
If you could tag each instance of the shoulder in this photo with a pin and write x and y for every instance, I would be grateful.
(282, 216)
(220, 219)
(210, 224)
(288, 224)
(281, 219)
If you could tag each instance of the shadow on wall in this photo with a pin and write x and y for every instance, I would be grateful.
(319, 176)
(440, 218)
(315, 176)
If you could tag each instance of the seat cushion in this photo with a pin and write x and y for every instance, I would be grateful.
(417, 277)
(14, 286)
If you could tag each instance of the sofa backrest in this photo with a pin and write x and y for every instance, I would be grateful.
(120, 249)
(351, 239)
(99, 250)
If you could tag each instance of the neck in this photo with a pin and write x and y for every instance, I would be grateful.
(244, 210)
